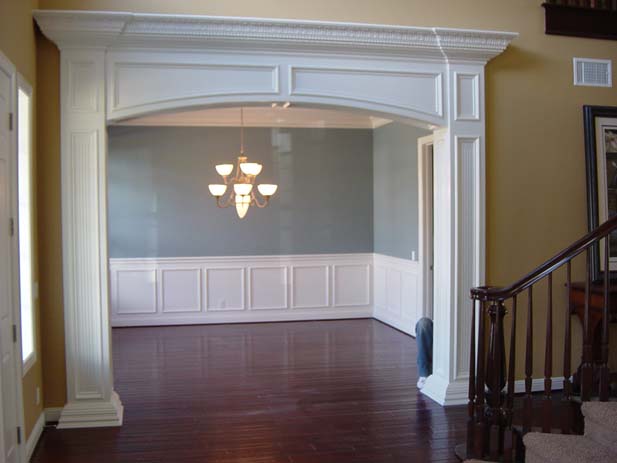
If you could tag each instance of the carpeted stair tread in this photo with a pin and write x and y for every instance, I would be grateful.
(545, 448)
(602, 412)
(601, 423)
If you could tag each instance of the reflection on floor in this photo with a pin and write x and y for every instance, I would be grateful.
(302, 392)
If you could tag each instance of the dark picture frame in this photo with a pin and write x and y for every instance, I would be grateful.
(600, 124)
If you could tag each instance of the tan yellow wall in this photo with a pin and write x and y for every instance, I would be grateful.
(17, 42)
(535, 157)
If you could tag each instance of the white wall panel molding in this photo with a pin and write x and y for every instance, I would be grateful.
(398, 292)
(90, 396)
(131, 92)
(268, 288)
(240, 288)
(413, 92)
(310, 286)
(225, 288)
(467, 98)
(351, 284)
(181, 289)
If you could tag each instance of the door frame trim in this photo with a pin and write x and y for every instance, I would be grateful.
(7, 66)
(425, 219)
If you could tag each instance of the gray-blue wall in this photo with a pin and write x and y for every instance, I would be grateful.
(395, 185)
(159, 204)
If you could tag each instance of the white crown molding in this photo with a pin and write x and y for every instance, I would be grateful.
(71, 29)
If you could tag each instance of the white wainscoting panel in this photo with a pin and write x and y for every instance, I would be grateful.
(181, 290)
(352, 285)
(310, 286)
(397, 284)
(196, 290)
(134, 291)
(225, 289)
(268, 288)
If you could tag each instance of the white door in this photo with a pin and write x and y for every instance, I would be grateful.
(8, 347)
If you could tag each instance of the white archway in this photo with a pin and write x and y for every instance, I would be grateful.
(120, 65)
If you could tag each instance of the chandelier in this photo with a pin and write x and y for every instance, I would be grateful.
(240, 186)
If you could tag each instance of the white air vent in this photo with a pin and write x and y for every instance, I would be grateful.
(592, 72)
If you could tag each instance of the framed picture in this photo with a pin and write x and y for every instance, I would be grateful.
(601, 157)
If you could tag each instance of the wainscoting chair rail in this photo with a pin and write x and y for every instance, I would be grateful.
(498, 418)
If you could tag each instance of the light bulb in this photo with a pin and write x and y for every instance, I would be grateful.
(243, 188)
(242, 205)
(251, 168)
(224, 169)
(217, 189)
(267, 189)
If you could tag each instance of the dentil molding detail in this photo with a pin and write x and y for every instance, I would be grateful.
(109, 29)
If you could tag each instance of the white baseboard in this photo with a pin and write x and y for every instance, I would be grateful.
(250, 317)
(52, 414)
(237, 289)
(34, 436)
(537, 385)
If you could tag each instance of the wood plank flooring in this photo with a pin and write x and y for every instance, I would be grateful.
(301, 392)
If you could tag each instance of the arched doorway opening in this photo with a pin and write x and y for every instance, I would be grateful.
(120, 65)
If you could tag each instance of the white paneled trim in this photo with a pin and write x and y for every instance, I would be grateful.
(310, 286)
(467, 98)
(34, 436)
(400, 90)
(181, 289)
(398, 292)
(268, 288)
(227, 289)
(132, 92)
(351, 284)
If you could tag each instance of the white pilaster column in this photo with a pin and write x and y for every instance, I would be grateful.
(459, 223)
(91, 400)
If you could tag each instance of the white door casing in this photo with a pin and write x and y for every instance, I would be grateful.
(10, 353)
(120, 65)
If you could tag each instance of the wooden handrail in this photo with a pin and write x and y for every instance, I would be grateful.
(487, 293)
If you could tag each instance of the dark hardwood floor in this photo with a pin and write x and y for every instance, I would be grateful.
(302, 392)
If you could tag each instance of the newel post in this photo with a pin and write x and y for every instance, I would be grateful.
(496, 375)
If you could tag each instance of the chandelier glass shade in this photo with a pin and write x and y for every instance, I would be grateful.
(237, 187)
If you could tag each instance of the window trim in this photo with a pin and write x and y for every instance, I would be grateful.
(28, 362)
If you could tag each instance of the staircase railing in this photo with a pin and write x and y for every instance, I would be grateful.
(495, 424)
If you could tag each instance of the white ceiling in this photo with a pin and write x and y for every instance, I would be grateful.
(259, 116)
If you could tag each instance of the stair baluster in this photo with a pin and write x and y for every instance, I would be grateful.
(548, 361)
(510, 437)
(587, 365)
(604, 373)
(567, 358)
(528, 413)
